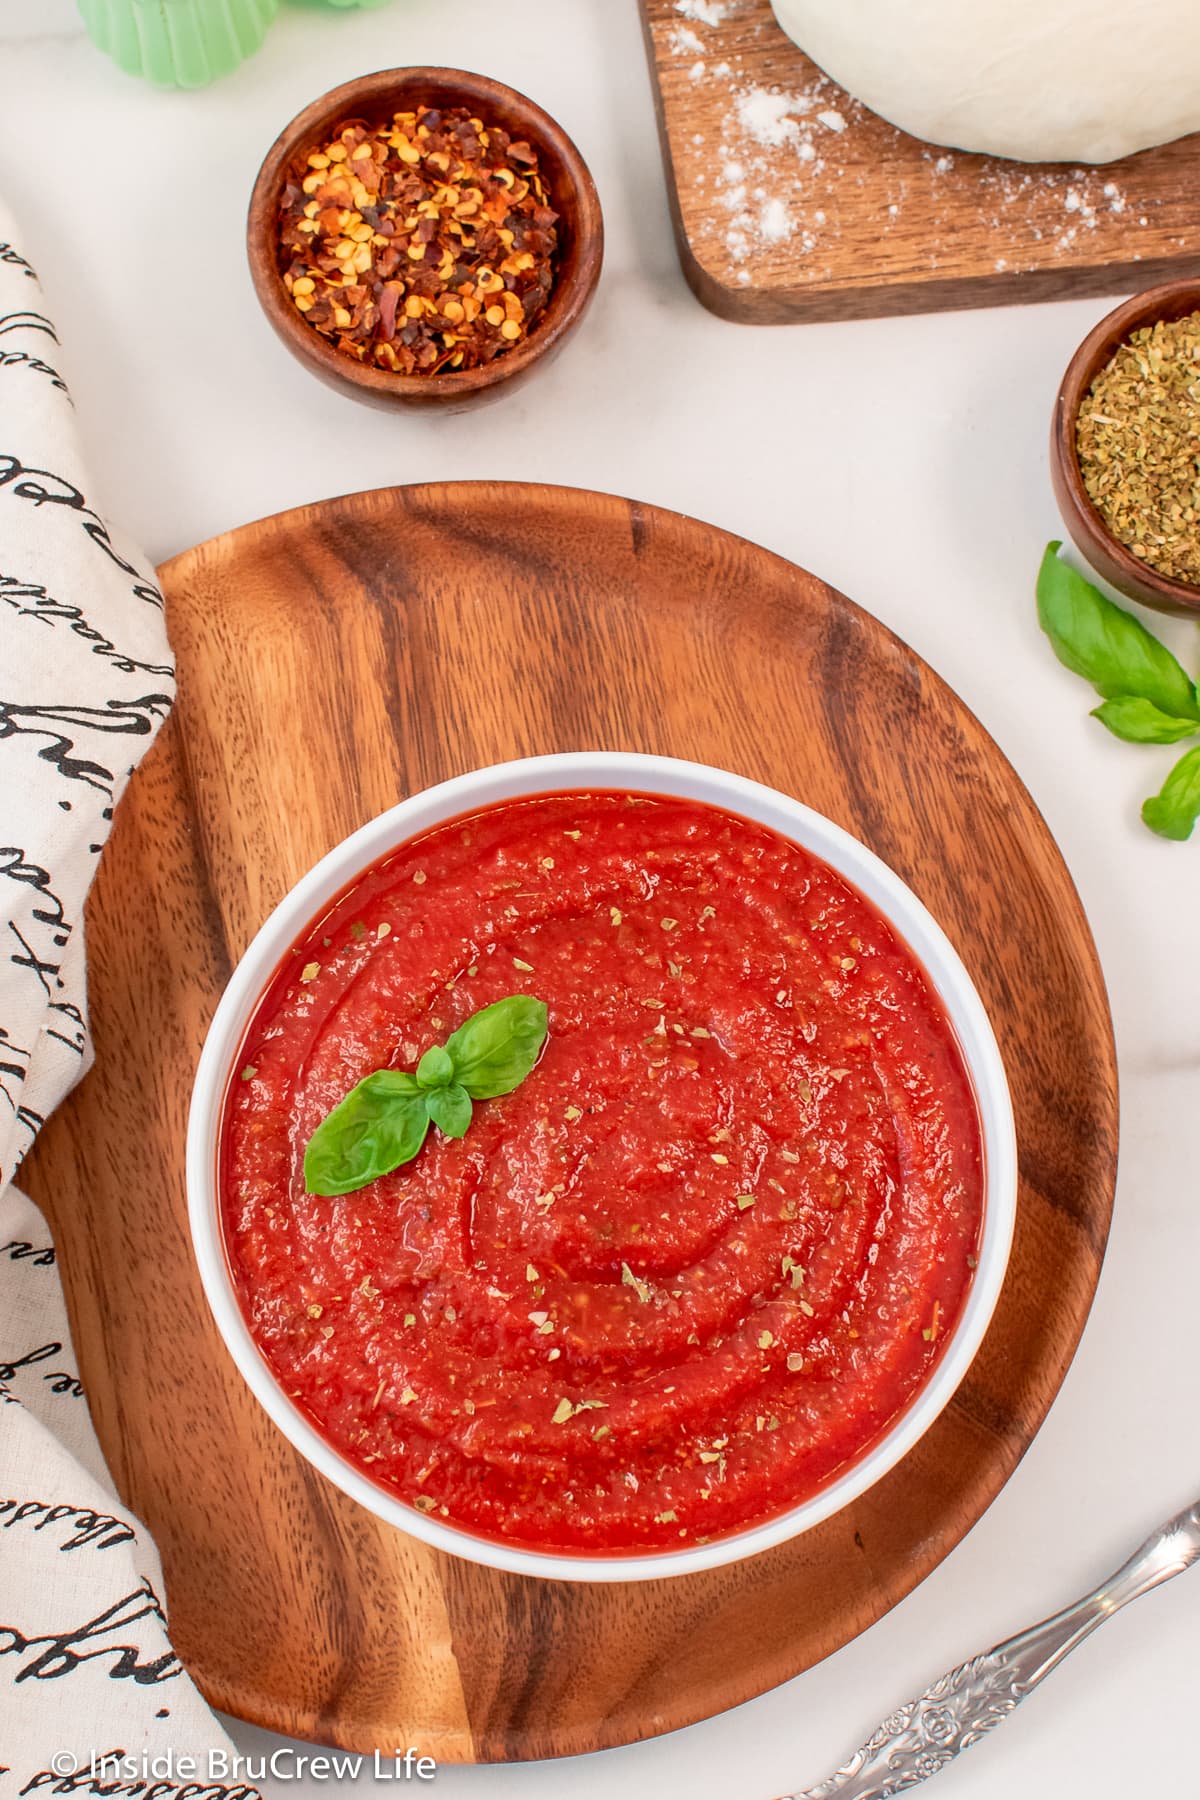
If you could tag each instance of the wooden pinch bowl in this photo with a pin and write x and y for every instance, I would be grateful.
(1110, 558)
(371, 99)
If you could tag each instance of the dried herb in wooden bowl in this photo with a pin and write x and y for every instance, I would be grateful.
(1138, 444)
(421, 244)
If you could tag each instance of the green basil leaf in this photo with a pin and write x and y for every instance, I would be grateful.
(383, 1122)
(1140, 721)
(450, 1110)
(379, 1125)
(435, 1069)
(1174, 810)
(494, 1050)
(1106, 645)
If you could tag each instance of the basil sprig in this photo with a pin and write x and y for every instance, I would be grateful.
(1174, 810)
(383, 1122)
(1148, 697)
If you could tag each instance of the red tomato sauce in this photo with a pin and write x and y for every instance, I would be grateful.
(696, 1263)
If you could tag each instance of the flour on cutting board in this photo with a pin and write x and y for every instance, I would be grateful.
(777, 143)
(705, 12)
(767, 115)
(782, 153)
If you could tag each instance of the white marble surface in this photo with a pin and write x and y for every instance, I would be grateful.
(902, 460)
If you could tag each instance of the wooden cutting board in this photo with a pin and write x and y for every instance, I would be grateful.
(791, 201)
(332, 660)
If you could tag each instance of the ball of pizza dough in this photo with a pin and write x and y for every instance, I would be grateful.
(1039, 80)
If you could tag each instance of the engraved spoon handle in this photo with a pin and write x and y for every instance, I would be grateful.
(922, 1736)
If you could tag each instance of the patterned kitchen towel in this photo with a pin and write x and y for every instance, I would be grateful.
(86, 678)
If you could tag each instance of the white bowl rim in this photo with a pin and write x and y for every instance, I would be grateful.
(600, 770)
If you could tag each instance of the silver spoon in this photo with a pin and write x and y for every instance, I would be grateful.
(921, 1737)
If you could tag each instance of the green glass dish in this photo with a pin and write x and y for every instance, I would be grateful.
(178, 43)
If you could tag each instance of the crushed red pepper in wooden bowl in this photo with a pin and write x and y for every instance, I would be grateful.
(439, 184)
(424, 243)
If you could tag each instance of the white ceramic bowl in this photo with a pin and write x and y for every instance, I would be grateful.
(638, 774)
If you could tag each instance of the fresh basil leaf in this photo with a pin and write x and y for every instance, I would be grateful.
(450, 1110)
(1139, 721)
(1106, 645)
(378, 1126)
(494, 1050)
(435, 1069)
(400, 1082)
(1174, 810)
(383, 1122)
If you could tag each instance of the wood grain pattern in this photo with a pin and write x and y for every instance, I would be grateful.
(332, 660)
(874, 221)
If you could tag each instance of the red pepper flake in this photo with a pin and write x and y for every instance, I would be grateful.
(425, 243)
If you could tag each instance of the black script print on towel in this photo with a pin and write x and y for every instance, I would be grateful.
(27, 321)
(14, 865)
(15, 359)
(29, 600)
(10, 1073)
(104, 1530)
(16, 260)
(17, 1250)
(21, 359)
(44, 488)
(47, 908)
(96, 1780)
(14, 1061)
(11, 358)
(14, 1064)
(48, 923)
(67, 1015)
(59, 1653)
(128, 718)
(60, 1381)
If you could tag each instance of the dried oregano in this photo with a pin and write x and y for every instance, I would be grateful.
(1138, 442)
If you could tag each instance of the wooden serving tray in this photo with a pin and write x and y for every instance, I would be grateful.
(332, 660)
(856, 222)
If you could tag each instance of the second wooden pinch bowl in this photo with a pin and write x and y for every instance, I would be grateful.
(373, 99)
(1108, 556)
